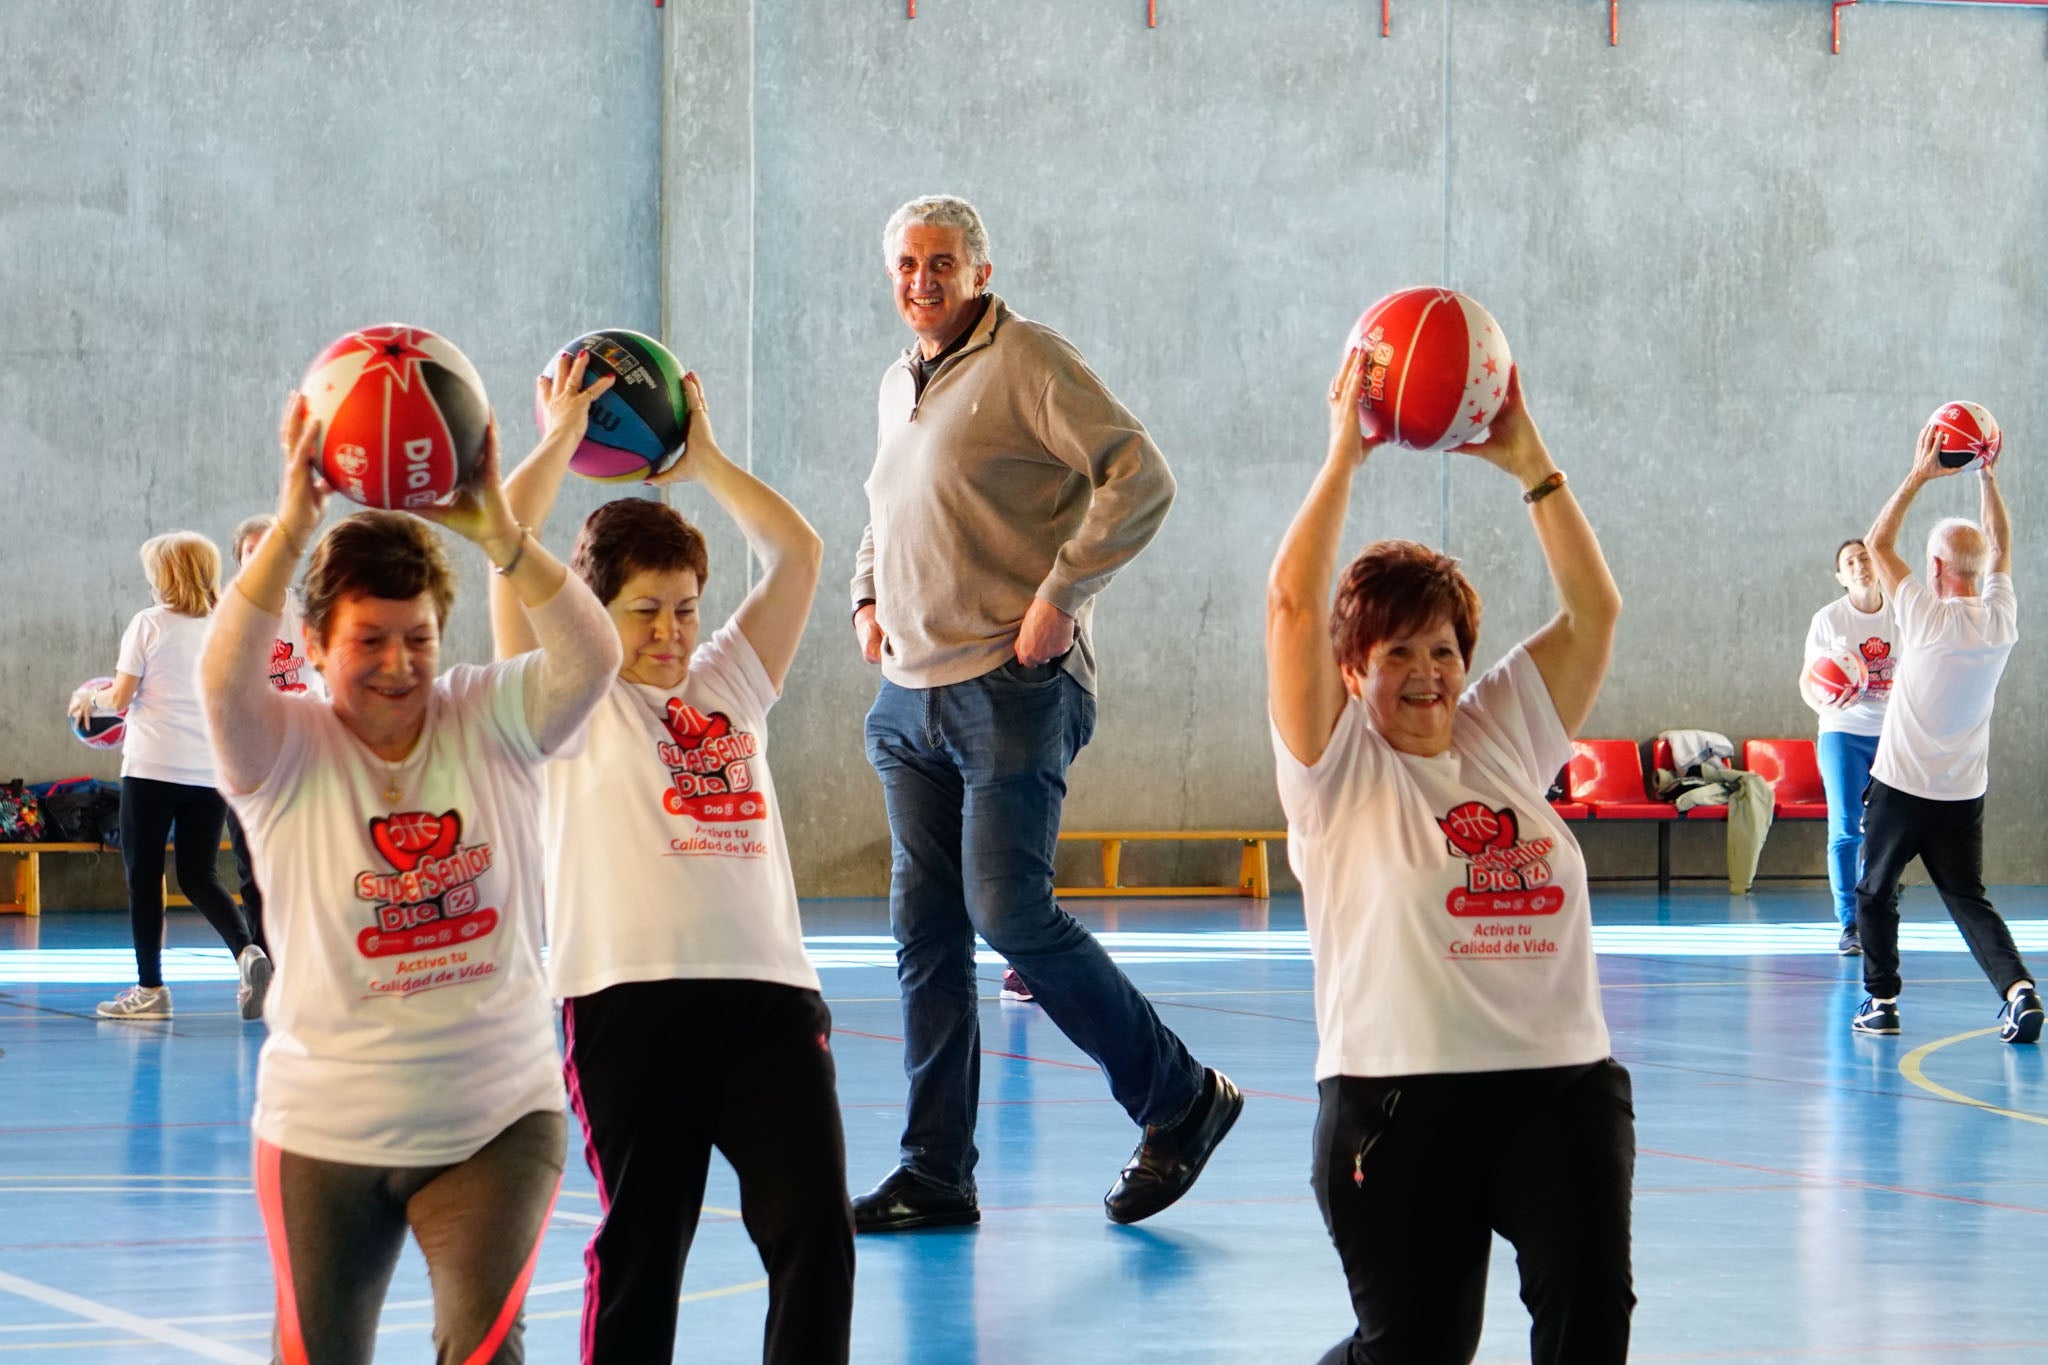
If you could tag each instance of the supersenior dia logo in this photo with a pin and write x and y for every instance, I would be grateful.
(1503, 874)
(711, 771)
(429, 897)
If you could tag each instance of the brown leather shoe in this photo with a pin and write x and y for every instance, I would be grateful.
(906, 1200)
(1167, 1160)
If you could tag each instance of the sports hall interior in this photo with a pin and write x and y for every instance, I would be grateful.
(1741, 248)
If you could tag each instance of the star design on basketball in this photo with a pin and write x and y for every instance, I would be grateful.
(1492, 366)
(395, 350)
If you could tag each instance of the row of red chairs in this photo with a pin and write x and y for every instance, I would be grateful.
(1606, 781)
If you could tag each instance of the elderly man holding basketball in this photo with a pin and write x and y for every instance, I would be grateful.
(1927, 784)
(1009, 486)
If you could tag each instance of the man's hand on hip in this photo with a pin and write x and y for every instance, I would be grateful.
(868, 631)
(1046, 634)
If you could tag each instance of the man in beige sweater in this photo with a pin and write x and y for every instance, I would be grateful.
(1009, 487)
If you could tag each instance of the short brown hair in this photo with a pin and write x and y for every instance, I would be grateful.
(636, 535)
(184, 571)
(1396, 588)
(387, 555)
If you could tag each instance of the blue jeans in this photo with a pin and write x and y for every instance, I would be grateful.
(1845, 761)
(974, 774)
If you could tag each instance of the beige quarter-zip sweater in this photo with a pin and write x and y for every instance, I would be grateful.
(1017, 475)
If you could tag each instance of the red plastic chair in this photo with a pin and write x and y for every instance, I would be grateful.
(1792, 770)
(1607, 774)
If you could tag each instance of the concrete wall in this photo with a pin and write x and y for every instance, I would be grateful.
(1738, 272)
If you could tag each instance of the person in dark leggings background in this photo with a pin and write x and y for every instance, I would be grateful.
(167, 776)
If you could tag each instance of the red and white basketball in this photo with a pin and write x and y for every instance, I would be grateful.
(402, 415)
(1436, 369)
(1969, 436)
(1835, 677)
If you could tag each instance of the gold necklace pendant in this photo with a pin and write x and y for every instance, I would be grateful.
(392, 795)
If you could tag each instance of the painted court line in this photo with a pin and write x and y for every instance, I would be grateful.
(1911, 1067)
(147, 1328)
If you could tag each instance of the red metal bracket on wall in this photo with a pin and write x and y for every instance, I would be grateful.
(1614, 23)
(1386, 17)
(1151, 13)
(1835, 45)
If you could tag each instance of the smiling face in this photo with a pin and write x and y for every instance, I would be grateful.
(379, 656)
(936, 283)
(1410, 687)
(655, 613)
(1853, 569)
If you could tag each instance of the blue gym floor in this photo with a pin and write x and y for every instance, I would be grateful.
(1801, 1194)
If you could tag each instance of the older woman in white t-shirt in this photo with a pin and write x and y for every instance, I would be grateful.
(693, 1018)
(1463, 1069)
(167, 777)
(411, 1079)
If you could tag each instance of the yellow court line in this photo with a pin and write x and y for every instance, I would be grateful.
(1910, 1068)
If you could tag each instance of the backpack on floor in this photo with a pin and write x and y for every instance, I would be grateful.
(21, 814)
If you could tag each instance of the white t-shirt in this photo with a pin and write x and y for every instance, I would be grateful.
(1446, 902)
(1937, 735)
(289, 670)
(1838, 625)
(409, 1021)
(665, 852)
(166, 739)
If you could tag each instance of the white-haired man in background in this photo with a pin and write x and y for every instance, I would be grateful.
(1926, 794)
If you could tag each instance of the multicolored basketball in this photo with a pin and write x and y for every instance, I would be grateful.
(402, 415)
(1835, 678)
(636, 427)
(1969, 436)
(1436, 369)
(106, 728)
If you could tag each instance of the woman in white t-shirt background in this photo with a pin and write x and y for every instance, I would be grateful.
(1860, 620)
(693, 1019)
(167, 777)
(1465, 1081)
(410, 1079)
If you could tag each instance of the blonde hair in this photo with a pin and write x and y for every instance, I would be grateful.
(184, 571)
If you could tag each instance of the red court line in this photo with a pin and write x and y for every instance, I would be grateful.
(1843, 1181)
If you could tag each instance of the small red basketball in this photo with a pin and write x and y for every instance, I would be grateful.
(402, 415)
(1969, 436)
(106, 729)
(1436, 368)
(1835, 676)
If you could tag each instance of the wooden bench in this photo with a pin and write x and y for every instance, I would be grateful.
(1254, 874)
(28, 874)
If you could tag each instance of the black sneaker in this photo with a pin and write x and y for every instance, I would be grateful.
(1882, 1017)
(1851, 943)
(2019, 1019)
(1168, 1160)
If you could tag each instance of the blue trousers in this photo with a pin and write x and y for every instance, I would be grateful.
(974, 774)
(1845, 761)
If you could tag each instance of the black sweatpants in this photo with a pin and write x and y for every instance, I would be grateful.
(245, 874)
(1948, 839)
(661, 1072)
(150, 810)
(1414, 1175)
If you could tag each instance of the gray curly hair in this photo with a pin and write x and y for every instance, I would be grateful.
(939, 210)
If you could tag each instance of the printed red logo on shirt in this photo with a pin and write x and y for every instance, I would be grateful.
(1504, 875)
(285, 664)
(711, 776)
(428, 898)
(1878, 664)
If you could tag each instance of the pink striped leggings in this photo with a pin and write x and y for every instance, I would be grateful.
(335, 1231)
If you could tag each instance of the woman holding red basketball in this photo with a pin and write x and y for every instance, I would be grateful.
(693, 1018)
(1464, 1070)
(411, 1078)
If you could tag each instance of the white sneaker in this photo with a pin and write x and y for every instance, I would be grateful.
(254, 965)
(138, 1002)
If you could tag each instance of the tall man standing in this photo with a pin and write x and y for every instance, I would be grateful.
(1926, 795)
(1009, 486)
